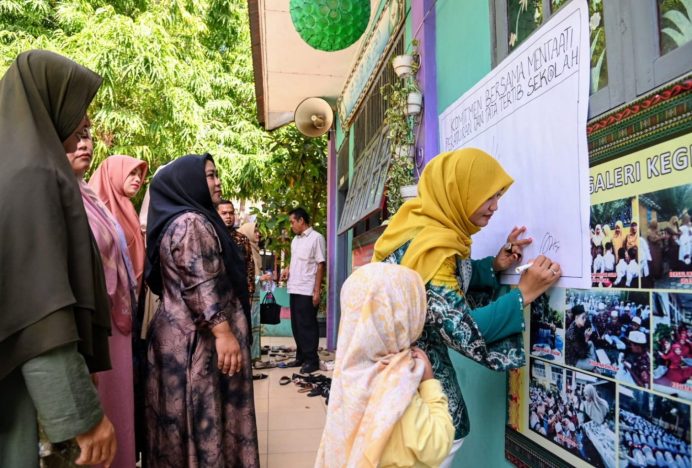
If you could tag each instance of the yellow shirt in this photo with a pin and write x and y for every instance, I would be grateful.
(424, 434)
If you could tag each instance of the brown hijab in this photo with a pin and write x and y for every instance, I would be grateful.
(52, 288)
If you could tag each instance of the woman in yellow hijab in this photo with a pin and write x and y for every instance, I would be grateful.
(458, 193)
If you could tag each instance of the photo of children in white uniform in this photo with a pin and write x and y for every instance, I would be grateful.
(654, 431)
(614, 245)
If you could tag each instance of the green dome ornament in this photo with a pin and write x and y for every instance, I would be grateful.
(330, 25)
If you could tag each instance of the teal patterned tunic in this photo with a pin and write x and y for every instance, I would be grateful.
(466, 320)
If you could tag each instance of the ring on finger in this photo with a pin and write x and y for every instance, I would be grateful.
(552, 271)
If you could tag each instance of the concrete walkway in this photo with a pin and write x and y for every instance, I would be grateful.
(289, 423)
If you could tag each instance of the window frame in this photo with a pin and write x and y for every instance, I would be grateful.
(365, 194)
(651, 68)
(632, 71)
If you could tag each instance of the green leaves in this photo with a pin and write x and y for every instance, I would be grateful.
(178, 79)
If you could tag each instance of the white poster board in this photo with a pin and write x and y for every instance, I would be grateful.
(530, 113)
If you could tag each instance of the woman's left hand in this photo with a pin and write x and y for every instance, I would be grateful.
(507, 257)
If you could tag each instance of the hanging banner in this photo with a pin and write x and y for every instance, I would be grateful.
(530, 113)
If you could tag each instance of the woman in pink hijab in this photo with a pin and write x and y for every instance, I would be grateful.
(115, 182)
(116, 386)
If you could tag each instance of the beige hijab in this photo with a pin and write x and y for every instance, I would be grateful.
(248, 230)
(375, 376)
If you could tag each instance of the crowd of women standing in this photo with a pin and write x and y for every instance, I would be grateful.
(75, 262)
(74, 269)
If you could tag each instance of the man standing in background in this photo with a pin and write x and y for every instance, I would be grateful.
(308, 258)
(226, 211)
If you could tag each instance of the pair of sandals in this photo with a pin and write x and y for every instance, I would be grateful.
(313, 385)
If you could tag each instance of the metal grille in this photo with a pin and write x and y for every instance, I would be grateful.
(368, 121)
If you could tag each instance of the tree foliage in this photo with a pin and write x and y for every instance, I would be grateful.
(177, 79)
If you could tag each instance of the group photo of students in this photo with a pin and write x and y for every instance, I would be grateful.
(654, 431)
(607, 332)
(573, 410)
(614, 245)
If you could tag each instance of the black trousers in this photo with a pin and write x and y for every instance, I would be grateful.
(305, 329)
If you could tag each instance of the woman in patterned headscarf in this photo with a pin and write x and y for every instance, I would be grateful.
(385, 408)
(458, 193)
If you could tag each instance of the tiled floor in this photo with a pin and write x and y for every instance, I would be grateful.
(289, 423)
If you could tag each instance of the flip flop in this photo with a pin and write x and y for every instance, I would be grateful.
(263, 365)
(285, 380)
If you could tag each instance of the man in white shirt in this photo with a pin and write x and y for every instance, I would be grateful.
(308, 259)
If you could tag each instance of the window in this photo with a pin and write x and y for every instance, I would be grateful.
(538, 369)
(662, 42)
(636, 46)
(365, 194)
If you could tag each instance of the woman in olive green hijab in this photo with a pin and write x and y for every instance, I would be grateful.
(54, 318)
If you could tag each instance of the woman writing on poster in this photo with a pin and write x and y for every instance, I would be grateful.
(458, 193)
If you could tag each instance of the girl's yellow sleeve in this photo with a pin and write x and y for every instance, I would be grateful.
(424, 434)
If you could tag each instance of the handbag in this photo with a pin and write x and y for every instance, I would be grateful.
(270, 311)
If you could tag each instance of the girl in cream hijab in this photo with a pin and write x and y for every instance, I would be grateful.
(385, 409)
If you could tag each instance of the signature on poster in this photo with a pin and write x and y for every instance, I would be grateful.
(549, 244)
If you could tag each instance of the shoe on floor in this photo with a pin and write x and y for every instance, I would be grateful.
(309, 368)
(294, 363)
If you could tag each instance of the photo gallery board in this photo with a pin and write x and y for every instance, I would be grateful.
(608, 380)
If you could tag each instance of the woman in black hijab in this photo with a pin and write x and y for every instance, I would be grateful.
(54, 319)
(199, 402)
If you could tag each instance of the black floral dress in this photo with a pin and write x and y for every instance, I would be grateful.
(196, 417)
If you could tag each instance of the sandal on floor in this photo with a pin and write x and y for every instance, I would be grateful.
(263, 365)
(259, 376)
(317, 391)
(285, 380)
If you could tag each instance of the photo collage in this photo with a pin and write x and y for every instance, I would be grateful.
(588, 347)
(610, 373)
(643, 241)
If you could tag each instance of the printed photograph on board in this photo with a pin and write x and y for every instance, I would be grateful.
(573, 410)
(673, 344)
(607, 332)
(666, 243)
(547, 325)
(614, 244)
(654, 430)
